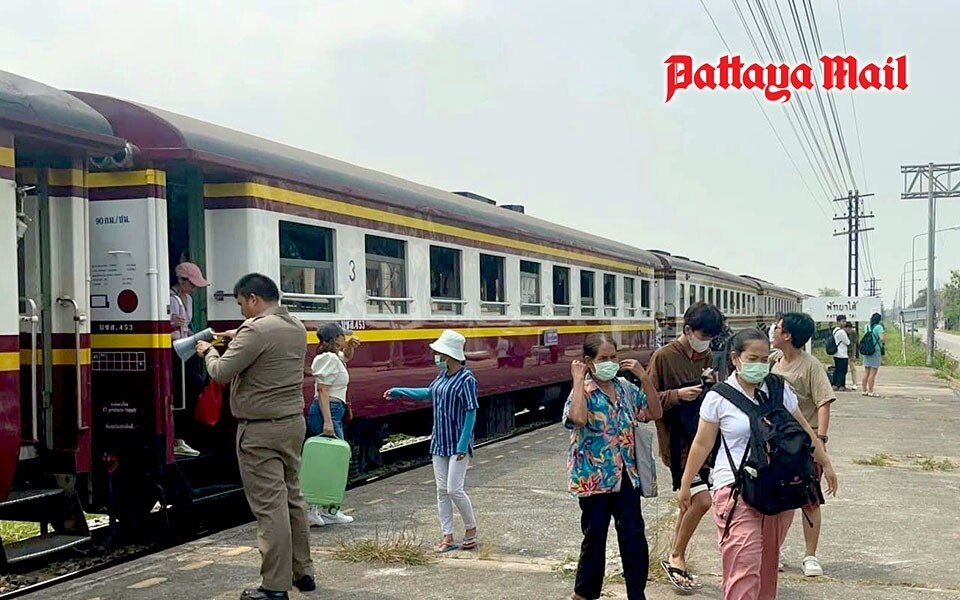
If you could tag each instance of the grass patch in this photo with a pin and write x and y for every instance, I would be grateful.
(929, 463)
(397, 549)
(877, 460)
(14, 531)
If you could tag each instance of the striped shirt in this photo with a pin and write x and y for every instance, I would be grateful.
(453, 395)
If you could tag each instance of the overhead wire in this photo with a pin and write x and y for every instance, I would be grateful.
(783, 146)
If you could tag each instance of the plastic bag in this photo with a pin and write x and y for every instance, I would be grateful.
(209, 404)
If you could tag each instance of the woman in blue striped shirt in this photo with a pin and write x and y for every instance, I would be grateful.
(454, 397)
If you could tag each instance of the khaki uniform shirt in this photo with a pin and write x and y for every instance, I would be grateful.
(265, 364)
(808, 377)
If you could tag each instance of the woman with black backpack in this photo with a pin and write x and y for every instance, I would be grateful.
(763, 472)
(872, 350)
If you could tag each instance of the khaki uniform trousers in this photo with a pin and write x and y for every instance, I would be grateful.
(269, 457)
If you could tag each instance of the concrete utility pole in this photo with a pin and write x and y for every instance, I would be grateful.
(854, 229)
(913, 189)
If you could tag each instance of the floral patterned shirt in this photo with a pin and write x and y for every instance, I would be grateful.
(602, 449)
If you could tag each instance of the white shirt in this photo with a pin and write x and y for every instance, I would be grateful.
(734, 427)
(770, 331)
(331, 370)
(843, 342)
(175, 311)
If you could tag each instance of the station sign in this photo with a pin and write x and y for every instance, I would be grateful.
(855, 308)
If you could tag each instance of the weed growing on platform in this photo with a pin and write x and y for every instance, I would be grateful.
(877, 460)
(14, 531)
(396, 549)
(928, 463)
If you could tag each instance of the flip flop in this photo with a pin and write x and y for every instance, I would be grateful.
(468, 543)
(445, 546)
(674, 574)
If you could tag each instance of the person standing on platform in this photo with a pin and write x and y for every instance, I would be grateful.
(676, 371)
(809, 380)
(455, 403)
(601, 412)
(841, 359)
(264, 364)
(871, 362)
(853, 353)
(329, 407)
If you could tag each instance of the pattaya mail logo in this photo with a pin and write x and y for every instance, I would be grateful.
(778, 81)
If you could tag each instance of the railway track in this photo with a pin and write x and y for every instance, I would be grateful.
(399, 458)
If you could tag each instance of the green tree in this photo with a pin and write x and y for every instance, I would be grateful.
(828, 291)
(951, 301)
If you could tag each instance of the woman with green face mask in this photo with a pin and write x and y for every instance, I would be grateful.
(600, 412)
(454, 397)
(750, 541)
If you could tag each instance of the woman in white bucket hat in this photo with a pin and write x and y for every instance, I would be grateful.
(454, 397)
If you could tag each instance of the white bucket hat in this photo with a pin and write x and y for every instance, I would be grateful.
(450, 343)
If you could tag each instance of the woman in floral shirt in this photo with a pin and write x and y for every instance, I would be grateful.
(601, 411)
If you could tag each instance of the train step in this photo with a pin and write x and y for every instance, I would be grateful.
(41, 545)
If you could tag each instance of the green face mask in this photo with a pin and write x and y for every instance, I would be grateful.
(754, 372)
(439, 360)
(607, 370)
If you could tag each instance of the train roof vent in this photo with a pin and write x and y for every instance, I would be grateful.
(514, 207)
(473, 196)
(680, 257)
(664, 252)
(714, 267)
(699, 262)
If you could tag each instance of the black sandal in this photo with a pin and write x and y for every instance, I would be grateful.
(674, 574)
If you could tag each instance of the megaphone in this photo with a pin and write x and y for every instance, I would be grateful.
(187, 347)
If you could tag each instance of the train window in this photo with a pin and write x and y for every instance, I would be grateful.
(683, 298)
(306, 268)
(710, 295)
(645, 303)
(386, 275)
(445, 290)
(609, 295)
(493, 285)
(629, 296)
(561, 292)
(588, 301)
(703, 293)
(530, 288)
(726, 306)
(693, 294)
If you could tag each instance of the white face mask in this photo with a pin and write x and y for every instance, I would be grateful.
(698, 345)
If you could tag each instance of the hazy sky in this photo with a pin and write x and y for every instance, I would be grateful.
(558, 106)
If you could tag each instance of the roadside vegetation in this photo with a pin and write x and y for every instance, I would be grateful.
(945, 367)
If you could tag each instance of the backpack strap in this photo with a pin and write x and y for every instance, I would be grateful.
(752, 411)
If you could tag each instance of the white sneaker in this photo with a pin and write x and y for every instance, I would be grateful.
(335, 517)
(180, 447)
(314, 518)
(811, 567)
(780, 563)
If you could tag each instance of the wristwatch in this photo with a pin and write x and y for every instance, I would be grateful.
(823, 438)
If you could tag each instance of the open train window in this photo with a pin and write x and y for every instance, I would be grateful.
(493, 284)
(446, 296)
(726, 305)
(703, 293)
(530, 288)
(645, 299)
(588, 302)
(306, 268)
(630, 296)
(386, 275)
(609, 295)
(693, 294)
(683, 298)
(710, 295)
(561, 292)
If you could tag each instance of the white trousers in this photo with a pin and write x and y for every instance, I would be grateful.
(450, 475)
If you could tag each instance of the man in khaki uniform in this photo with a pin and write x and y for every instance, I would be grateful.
(264, 363)
(808, 378)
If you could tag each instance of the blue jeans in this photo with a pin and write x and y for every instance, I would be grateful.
(315, 418)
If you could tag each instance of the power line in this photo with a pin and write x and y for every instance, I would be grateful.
(760, 108)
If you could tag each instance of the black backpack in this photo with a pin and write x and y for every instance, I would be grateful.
(831, 345)
(777, 471)
(719, 342)
(867, 344)
(684, 419)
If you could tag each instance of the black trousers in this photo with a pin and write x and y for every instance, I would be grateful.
(840, 371)
(184, 423)
(596, 510)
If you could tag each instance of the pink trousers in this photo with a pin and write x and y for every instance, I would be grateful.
(751, 550)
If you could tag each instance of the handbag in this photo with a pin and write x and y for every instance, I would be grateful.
(643, 435)
(209, 403)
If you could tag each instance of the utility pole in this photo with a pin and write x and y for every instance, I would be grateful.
(872, 289)
(913, 189)
(853, 217)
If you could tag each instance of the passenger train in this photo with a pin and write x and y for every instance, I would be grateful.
(104, 196)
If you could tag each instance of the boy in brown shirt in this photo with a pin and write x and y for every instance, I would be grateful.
(808, 377)
(676, 370)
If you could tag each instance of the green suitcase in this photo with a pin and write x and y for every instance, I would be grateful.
(324, 470)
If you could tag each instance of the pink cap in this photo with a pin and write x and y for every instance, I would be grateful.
(191, 273)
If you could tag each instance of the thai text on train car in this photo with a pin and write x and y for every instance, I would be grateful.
(778, 81)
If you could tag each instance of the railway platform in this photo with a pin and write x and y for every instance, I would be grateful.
(893, 532)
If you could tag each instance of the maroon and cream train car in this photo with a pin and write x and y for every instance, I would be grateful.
(47, 457)
(775, 299)
(685, 282)
(395, 261)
